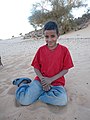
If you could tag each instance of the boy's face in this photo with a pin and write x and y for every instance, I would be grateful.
(51, 38)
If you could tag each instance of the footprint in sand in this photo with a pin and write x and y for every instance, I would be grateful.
(8, 82)
(1, 90)
(54, 109)
(36, 105)
(83, 100)
(11, 91)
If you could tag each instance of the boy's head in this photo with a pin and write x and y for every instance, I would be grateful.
(51, 25)
(51, 34)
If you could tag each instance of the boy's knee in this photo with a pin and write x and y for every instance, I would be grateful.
(25, 101)
(64, 102)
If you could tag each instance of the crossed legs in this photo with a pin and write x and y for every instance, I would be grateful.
(27, 94)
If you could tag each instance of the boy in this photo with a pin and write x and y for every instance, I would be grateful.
(51, 62)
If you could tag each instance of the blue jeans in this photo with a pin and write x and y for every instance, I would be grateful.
(29, 93)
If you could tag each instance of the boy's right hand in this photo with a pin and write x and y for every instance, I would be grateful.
(46, 87)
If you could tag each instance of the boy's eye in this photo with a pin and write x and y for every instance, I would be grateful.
(46, 36)
(52, 36)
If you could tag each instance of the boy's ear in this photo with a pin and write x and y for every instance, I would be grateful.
(58, 34)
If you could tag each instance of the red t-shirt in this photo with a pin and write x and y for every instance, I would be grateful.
(51, 62)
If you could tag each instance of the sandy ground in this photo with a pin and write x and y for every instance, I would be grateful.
(17, 55)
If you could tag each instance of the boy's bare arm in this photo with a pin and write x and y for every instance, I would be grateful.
(60, 74)
(45, 86)
(38, 73)
(47, 80)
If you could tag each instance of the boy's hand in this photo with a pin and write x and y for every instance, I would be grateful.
(46, 88)
(45, 84)
(46, 80)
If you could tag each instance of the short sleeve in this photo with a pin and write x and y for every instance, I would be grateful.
(36, 61)
(68, 63)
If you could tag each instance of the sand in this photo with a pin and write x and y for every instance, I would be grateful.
(17, 55)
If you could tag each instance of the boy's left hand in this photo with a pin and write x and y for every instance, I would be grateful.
(46, 83)
(46, 88)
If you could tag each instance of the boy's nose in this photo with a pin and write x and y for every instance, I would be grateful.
(49, 39)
